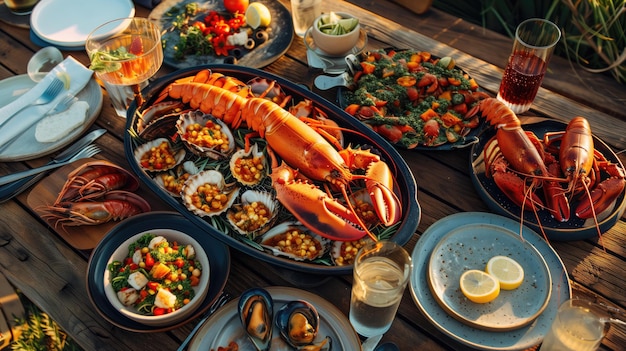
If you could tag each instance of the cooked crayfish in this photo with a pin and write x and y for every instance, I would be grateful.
(95, 193)
(520, 163)
(303, 149)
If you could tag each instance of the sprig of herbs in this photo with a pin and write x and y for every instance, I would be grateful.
(106, 61)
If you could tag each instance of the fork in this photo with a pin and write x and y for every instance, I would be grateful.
(48, 95)
(221, 301)
(85, 153)
(63, 104)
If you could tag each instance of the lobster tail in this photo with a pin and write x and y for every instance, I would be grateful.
(498, 114)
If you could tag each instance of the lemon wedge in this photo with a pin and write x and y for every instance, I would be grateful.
(507, 271)
(258, 15)
(65, 78)
(479, 287)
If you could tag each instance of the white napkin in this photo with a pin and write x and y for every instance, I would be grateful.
(13, 126)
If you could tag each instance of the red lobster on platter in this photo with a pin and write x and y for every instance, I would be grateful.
(95, 193)
(303, 150)
(565, 164)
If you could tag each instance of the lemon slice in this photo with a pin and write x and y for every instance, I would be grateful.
(258, 15)
(479, 286)
(507, 271)
(65, 78)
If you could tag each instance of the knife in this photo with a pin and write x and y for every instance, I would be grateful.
(9, 191)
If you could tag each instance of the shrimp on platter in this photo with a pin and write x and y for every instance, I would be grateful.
(562, 172)
(313, 166)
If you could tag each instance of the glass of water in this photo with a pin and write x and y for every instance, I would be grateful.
(381, 272)
(579, 325)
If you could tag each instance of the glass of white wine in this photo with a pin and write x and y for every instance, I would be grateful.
(125, 53)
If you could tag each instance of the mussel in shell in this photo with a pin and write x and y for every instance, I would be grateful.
(256, 312)
(298, 324)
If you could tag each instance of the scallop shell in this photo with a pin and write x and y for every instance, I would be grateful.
(344, 252)
(179, 155)
(251, 154)
(249, 197)
(198, 117)
(181, 173)
(280, 231)
(190, 189)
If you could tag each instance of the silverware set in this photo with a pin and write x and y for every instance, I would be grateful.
(12, 189)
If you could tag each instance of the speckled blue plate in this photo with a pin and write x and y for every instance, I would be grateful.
(518, 339)
(470, 247)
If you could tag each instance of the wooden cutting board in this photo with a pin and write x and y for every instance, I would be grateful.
(84, 237)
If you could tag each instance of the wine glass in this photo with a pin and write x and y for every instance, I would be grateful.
(125, 53)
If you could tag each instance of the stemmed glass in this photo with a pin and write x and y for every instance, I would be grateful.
(125, 53)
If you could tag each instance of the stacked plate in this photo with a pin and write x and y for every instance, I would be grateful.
(517, 319)
(67, 23)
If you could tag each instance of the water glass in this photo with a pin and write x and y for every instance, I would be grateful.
(534, 43)
(304, 12)
(125, 53)
(381, 272)
(578, 326)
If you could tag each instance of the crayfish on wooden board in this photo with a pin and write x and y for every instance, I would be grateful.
(574, 177)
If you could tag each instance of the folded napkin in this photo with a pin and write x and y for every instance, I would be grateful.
(14, 125)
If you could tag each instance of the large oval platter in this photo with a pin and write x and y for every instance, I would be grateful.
(280, 34)
(405, 185)
(575, 228)
(419, 113)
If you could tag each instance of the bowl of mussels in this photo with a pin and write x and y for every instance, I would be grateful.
(270, 168)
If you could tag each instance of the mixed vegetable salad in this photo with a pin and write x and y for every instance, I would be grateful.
(157, 276)
(413, 98)
(242, 27)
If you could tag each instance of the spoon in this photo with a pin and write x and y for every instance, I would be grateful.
(323, 82)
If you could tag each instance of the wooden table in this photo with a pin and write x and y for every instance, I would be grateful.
(52, 274)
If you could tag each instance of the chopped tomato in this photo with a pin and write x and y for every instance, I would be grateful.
(159, 311)
(368, 68)
(149, 261)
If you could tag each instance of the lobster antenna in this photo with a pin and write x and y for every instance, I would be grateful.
(595, 218)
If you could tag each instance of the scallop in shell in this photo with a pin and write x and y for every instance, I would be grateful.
(294, 240)
(158, 155)
(256, 312)
(343, 253)
(205, 135)
(248, 167)
(298, 323)
(207, 194)
(255, 214)
(172, 181)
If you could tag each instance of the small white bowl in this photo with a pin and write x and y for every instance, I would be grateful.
(170, 318)
(335, 45)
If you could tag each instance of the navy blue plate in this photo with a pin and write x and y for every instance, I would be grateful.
(575, 228)
(280, 35)
(405, 181)
(218, 254)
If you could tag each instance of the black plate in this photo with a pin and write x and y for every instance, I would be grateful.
(404, 177)
(279, 41)
(575, 228)
(468, 140)
(218, 254)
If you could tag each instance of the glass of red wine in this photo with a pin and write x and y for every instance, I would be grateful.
(535, 39)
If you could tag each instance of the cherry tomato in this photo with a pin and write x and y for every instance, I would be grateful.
(158, 311)
(149, 260)
(233, 6)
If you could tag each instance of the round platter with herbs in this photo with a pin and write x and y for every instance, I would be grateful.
(204, 32)
(414, 99)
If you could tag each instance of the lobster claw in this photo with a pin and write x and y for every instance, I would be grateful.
(515, 188)
(314, 208)
(556, 200)
(602, 197)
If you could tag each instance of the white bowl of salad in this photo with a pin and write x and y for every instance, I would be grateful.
(157, 277)
(336, 33)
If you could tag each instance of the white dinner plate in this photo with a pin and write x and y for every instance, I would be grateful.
(518, 339)
(69, 22)
(471, 246)
(225, 326)
(26, 147)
